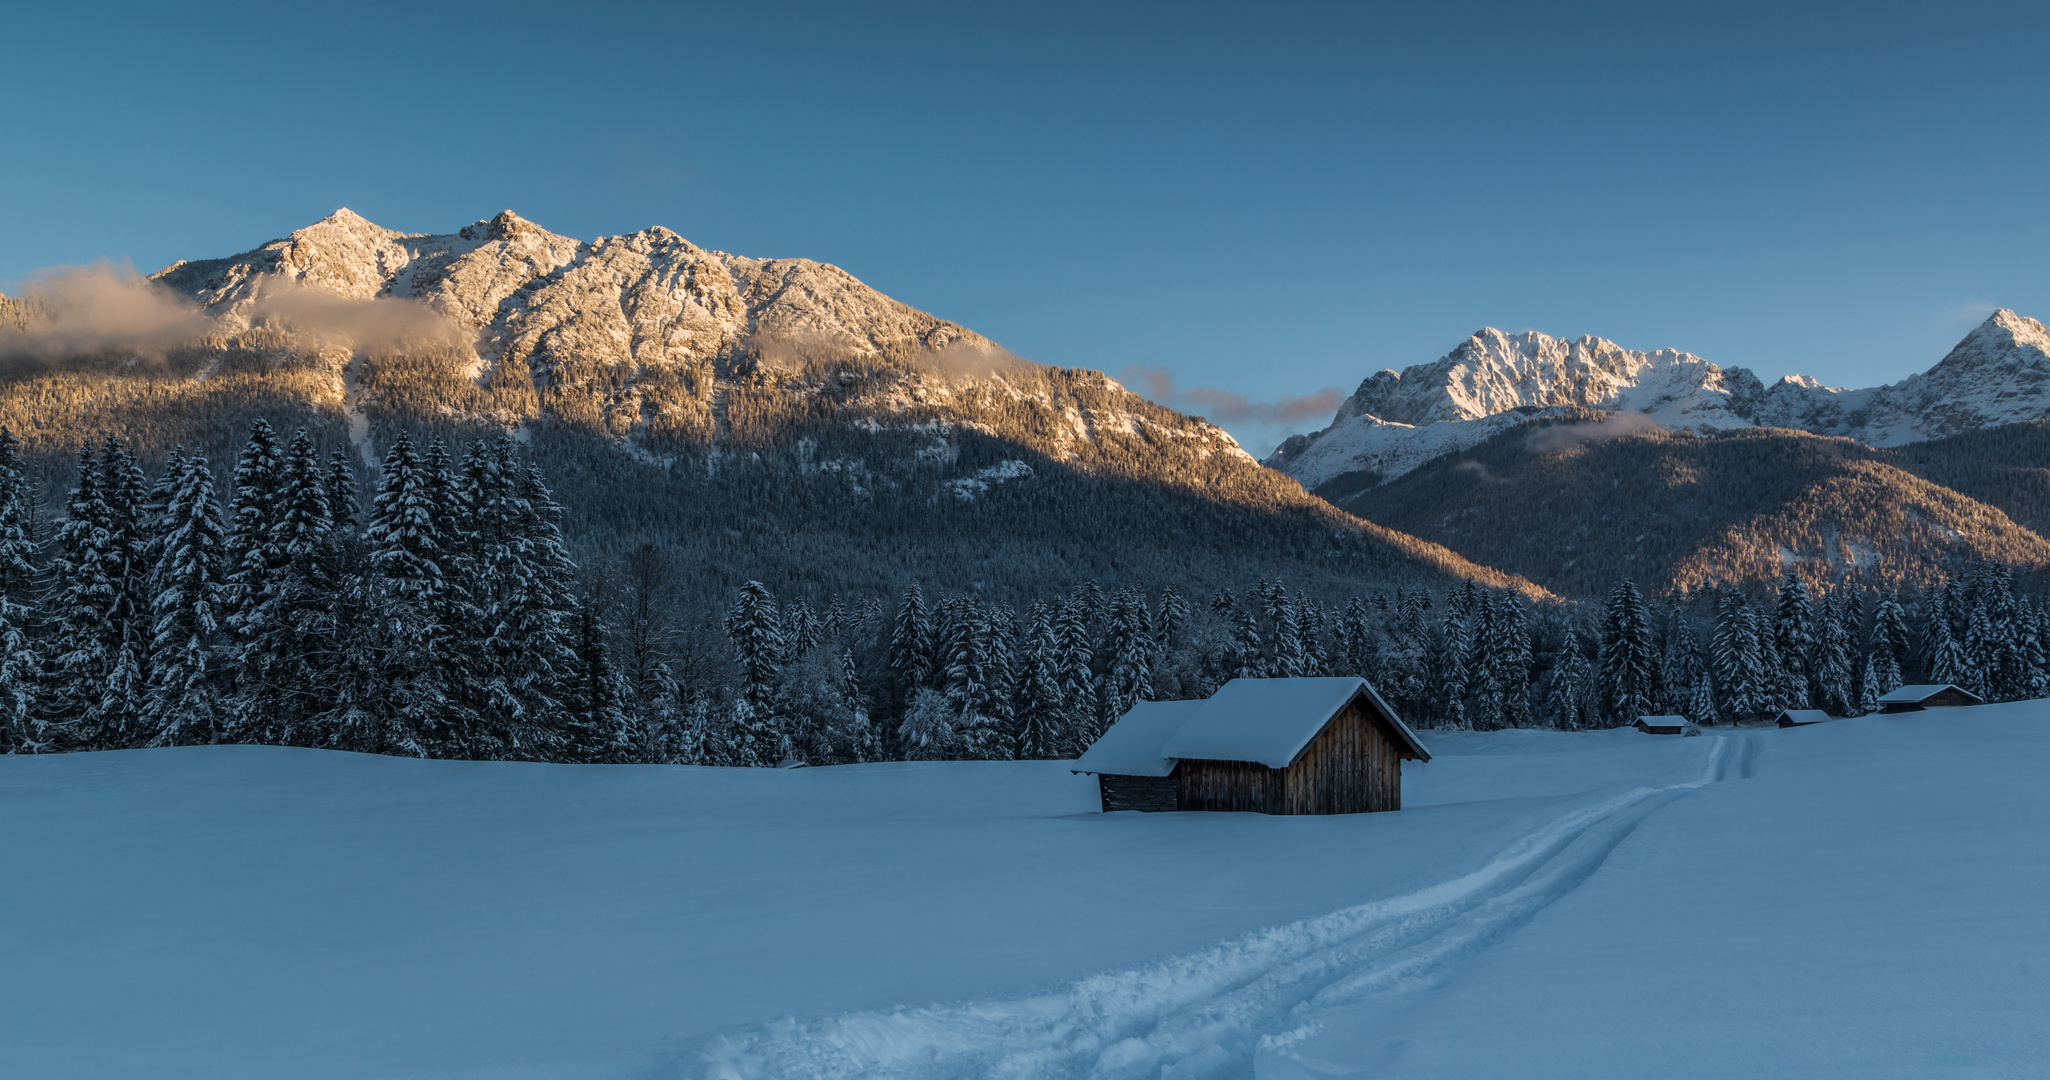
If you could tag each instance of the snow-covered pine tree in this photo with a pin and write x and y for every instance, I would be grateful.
(1627, 667)
(1781, 687)
(1700, 704)
(1130, 643)
(596, 726)
(1570, 685)
(23, 729)
(1480, 694)
(183, 704)
(861, 742)
(1513, 658)
(970, 683)
(1042, 728)
(1245, 660)
(1890, 634)
(1358, 642)
(1981, 650)
(756, 628)
(17, 550)
(416, 666)
(1733, 658)
(804, 628)
(911, 643)
(927, 731)
(1288, 658)
(1868, 694)
(342, 490)
(1076, 660)
(252, 555)
(1174, 617)
(1832, 660)
(1793, 639)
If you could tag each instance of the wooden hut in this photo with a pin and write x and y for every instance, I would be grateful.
(1802, 717)
(1666, 725)
(1130, 772)
(1273, 746)
(1917, 698)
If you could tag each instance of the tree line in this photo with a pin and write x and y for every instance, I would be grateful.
(446, 618)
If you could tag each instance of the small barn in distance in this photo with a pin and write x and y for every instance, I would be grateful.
(1273, 746)
(1917, 698)
(1802, 717)
(1666, 725)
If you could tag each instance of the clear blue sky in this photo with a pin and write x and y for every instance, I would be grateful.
(1266, 200)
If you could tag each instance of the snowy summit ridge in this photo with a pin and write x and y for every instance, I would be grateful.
(1396, 421)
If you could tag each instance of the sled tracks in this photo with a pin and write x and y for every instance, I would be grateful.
(1205, 1014)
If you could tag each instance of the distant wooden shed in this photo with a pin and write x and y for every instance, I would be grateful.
(1917, 698)
(1272, 746)
(1803, 717)
(1666, 725)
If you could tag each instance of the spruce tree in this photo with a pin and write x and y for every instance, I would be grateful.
(1075, 659)
(1174, 616)
(1572, 678)
(911, 643)
(17, 550)
(756, 628)
(183, 701)
(1042, 708)
(1793, 637)
(252, 556)
(417, 665)
(1130, 644)
(23, 729)
(1627, 668)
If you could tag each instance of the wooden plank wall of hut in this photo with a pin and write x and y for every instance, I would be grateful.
(1352, 767)
(1156, 793)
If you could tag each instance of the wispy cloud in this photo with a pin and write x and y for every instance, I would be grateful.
(1232, 409)
(108, 308)
(1616, 426)
(96, 309)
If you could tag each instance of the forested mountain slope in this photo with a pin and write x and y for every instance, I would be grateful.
(773, 419)
(1574, 503)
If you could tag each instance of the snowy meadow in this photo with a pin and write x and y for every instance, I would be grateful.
(1859, 898)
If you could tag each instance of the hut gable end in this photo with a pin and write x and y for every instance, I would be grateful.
(1352, 766)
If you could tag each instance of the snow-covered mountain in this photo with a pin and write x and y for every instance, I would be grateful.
(650, 298)
(761, 418)
(1395, 421)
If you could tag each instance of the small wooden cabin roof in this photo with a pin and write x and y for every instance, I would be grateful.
(1132, 745)
(1663, 721)
(1271, 721)
(1915, 695)
(1805, 716)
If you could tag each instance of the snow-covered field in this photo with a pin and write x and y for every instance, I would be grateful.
(1863, 898)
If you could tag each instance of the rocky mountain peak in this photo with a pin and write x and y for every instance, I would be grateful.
(1999, 373)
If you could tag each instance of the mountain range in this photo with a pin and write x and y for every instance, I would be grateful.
(1396, 421)
(774, 419)
(779, 419)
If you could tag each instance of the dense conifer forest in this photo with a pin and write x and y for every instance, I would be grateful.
(444, 616)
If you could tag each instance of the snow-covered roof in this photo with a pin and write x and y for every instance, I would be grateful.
(1806, 716)
(1271, 720)
(1913, 694)
(1664, 721)
(1132, 745)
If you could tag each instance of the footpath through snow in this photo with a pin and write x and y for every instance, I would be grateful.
(1861, 898)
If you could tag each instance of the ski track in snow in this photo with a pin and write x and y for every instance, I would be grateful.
(1205, 1014)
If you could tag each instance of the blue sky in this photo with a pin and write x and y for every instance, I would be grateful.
(1260, 200)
